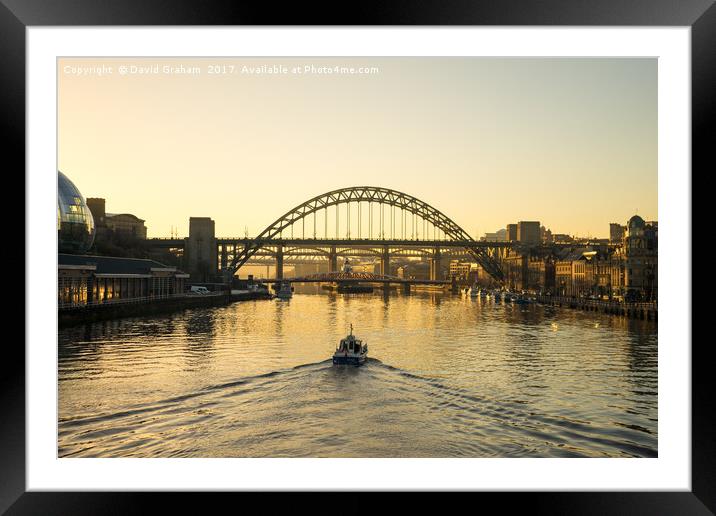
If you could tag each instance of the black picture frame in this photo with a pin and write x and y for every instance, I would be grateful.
(700, 15)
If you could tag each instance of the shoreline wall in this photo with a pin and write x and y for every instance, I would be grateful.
(75, 316)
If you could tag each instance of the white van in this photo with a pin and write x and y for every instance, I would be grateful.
(199, 290)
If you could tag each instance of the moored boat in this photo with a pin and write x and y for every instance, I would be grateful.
(353, 288)
(285, 290)
(521, 299)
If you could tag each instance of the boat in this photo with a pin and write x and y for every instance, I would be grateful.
(285, 290)
(350, 351)
(353, 288)
(521, 299)
(475, 290)
(497, 295)
(483, 293)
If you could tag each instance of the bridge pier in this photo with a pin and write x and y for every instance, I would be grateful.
(385, 261)
(224, 258)
(436, 265)
(279, 262)
(333, 260)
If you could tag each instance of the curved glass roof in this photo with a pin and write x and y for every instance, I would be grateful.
(75, 225)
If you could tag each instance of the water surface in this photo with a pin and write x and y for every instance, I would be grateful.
(447, 376)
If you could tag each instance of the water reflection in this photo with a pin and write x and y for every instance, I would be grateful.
(447, 376)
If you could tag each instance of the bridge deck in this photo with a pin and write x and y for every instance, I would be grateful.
(339, 242)
(356, 280)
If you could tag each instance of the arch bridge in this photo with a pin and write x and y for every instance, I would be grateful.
(362, 221)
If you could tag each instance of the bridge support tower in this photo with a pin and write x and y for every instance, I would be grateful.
(436, 265)
(200, 257)
(279, 262)
(224, 258)
(333, 260)
(385, 261)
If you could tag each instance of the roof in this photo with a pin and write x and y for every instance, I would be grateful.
(126, 215)
(571, 255)
(113, 264)
(635, 221)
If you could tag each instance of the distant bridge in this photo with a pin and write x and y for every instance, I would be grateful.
(355, 277)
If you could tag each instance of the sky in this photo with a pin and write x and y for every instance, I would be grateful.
(488, 141)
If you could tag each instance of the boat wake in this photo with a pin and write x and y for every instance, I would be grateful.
(322, 410)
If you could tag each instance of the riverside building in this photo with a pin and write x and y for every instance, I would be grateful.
(84, 280)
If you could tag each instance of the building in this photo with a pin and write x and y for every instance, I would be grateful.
(616, 233)
(126, 225)
(75, 224)
(574, 273)
(123, 225)
(515, 270)
(528, 232)
(511, 233)
(497, 236)
(588, 271)
(562, 238)
(627, 271)
(641, 260)
(545, 235)
(563, 276)
(540, 274)
(460, 271)
(88, 280)
(603, 276)
(84, 280)
(97, 206)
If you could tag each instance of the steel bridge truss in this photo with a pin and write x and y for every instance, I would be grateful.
(369, 194)
(267, 253)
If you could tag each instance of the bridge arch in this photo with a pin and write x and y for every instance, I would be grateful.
(369, 194)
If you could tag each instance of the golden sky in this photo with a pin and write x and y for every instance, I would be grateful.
(488, 141)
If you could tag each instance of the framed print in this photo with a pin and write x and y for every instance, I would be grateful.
(416, 253)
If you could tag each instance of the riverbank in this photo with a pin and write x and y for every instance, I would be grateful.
(150, 306)
(648, 311)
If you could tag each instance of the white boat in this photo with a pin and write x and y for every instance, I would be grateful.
(285, 290)
(483, 293)
(351, 351)
(475, 290)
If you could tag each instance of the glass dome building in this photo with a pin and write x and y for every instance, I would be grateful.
(75, 225)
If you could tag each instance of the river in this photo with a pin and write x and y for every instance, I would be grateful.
(448, 376)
